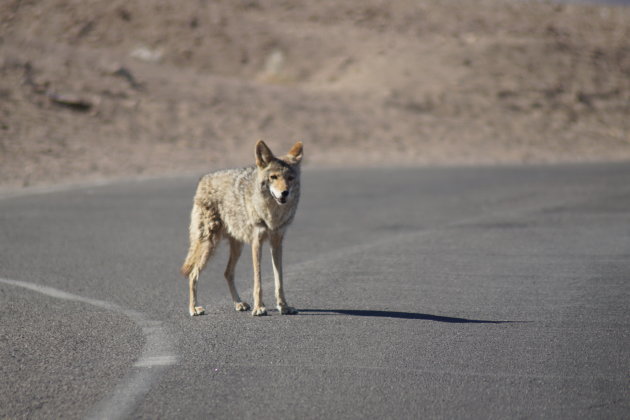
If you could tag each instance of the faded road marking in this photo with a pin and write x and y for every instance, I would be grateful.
(156, 356)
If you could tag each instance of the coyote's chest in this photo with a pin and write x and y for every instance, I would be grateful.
(273, 217)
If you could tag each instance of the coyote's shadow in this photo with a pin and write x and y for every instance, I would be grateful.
(398, 315)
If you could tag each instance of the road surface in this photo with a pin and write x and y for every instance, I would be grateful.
(423, 293)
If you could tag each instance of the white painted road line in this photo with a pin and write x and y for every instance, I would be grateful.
(157, 354)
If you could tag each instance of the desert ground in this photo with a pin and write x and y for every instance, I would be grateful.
(100, 89)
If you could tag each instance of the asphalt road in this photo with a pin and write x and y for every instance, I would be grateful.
(423, 293)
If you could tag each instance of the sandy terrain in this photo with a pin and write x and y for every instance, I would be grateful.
(92, 89)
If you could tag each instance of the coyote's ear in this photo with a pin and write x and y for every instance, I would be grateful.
(263, 154)
(295, 154)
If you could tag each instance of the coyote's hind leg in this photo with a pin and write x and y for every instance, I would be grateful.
(205, 233)
(235, 252)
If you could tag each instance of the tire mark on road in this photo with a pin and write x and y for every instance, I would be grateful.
(157, 354)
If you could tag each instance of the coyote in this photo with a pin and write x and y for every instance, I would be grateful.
(251, 205)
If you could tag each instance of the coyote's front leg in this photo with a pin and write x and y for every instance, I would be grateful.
(259, 306)
(276, 258)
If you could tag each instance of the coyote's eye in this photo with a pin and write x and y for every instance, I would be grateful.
(274, 177)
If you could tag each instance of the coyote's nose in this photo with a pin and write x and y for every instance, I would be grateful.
(284, 193)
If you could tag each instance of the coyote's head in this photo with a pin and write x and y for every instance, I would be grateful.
(280, 177)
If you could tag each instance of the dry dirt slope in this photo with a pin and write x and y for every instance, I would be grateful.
(117, 88)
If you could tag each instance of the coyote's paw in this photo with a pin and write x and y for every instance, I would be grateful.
(197, 310)
(287, 310)
(260, 311)
(241, 306)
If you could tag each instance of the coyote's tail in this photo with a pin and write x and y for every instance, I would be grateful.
(205, 233)
(195, 253)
